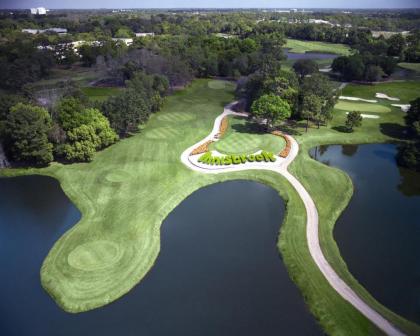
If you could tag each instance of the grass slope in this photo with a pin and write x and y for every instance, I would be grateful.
(298, 46)
(126, 192)
(405, 91)
(100, 93)
(410, 66)
(242, 137)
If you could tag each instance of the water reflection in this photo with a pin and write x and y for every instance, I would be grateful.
(218, 273)
(409, 182)
(379, 232)
(349, 150)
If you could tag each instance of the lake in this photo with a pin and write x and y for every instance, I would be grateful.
(219, 271)
(379, 233)
(308, 55)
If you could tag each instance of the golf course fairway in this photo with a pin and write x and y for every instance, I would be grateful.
(125, 193)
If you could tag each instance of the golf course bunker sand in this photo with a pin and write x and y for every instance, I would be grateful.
(358, 99)
(216, 85)
(176, 117)
(163, 133)
(118, 176)
(384, 96)
(368, 116)
(94, 255)
(403, 107)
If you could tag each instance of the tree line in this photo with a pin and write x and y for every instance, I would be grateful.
(75, 128)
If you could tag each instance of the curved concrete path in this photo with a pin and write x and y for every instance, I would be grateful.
(280, 167)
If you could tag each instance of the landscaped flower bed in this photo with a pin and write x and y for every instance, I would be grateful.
(286, 150)
(202, 148)
(223, 127)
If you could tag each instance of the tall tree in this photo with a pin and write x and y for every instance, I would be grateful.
(27, 129)
(272, 108)
(412, 119)
(126, 111)
(354, 119)
(304, 67)
(311, 108)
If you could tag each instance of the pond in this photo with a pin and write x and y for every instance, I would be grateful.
(308, 55)
(379, 233)
(219, 271)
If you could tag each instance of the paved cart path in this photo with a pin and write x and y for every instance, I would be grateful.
(280, 167)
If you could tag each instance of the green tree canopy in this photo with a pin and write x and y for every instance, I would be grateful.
(126, 111)
(354, 119)
(27, 129)
(311, 108)
(304, 67)
(70, 113)
(124, 32)
(6, 102)
(85, 138)
(271, 107)
(412, 118)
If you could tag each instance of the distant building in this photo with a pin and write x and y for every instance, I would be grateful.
(41, 11)
(38, 11)
(144, 34)
(60, 31)
(316, 21)
(127, 41)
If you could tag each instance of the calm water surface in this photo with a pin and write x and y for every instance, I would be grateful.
(308, 55)
(379, 233)
(219, 271)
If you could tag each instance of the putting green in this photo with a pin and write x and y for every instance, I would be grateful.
(237, 140)
(361, 107)
(217, 85)
(94, 255)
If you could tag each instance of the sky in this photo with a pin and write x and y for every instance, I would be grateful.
(210, 3)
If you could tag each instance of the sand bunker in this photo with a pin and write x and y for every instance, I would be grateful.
(358, 99)
(403, 107)
(384, 96)
(368, 116)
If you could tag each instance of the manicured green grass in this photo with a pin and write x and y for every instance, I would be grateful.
(299, 46)
(100, 93)
(410, 66)
(405, 91)
(242, 137)
(361, 107)
(129, 188)
(217, 84)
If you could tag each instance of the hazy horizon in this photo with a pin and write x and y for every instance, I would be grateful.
(222, 4)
